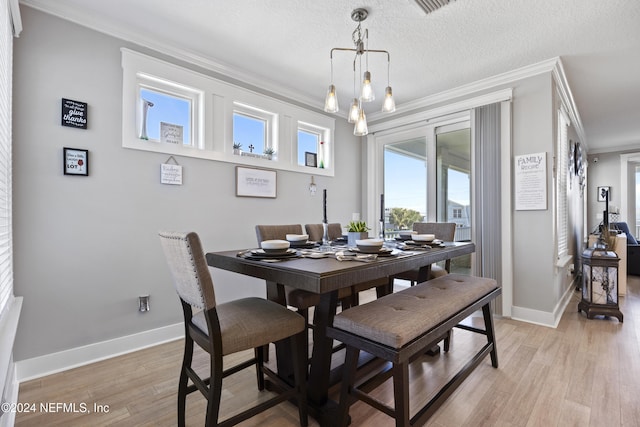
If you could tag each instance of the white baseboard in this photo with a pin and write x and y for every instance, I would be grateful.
(544, 318)
(48, 364)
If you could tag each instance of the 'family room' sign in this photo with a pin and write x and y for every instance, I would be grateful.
(74, 114)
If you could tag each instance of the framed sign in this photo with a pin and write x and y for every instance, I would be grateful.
(604, 194)
(310, 159)
(251, 182)
(75, 161)
(74, 114)
(531, 181)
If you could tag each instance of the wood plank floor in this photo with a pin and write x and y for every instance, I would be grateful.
(583, 373)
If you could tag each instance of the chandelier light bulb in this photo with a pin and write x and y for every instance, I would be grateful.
(354, 111)
(388, 105)
(331, 102)
(367, 94)
(361, 129)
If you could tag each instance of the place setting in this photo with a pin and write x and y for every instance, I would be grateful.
(271, 251)
(411, 240)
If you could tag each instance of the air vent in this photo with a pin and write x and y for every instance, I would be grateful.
(431, 5)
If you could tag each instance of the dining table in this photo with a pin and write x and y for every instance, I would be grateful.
(325, 275)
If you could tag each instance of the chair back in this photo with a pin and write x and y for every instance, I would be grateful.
(189, 269)
(276, 232)
(445, 231)
(315, 231)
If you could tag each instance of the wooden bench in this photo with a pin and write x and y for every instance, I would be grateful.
(399, 326)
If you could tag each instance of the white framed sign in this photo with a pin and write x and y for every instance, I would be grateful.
(170, 174)
(531, 181)
(251, 182)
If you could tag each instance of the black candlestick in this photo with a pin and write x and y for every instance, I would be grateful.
(324, 206)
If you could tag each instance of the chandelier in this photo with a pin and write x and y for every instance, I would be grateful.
(356, 111)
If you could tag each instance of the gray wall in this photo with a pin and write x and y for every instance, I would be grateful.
(86, 247)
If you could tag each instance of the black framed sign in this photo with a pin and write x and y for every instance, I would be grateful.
(75, 161)
(310, 159)
(74, 114)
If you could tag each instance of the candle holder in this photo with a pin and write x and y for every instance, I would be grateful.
(382, 229)
(325, 235)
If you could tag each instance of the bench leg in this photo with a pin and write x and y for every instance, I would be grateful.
(491, 334)
(401, 394)
(348, 380)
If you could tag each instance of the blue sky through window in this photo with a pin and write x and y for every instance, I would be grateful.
(249, 131)
(307, 142)
(168, 109)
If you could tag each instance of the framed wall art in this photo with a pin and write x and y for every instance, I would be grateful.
(75, 161)
(604, 194)
(253, 182)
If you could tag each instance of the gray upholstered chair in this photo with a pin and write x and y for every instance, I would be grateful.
(444, 231)
(222, 329)
(315, 231)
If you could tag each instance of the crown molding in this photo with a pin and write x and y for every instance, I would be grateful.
(129, 35)
(568, 101)
(471, 88)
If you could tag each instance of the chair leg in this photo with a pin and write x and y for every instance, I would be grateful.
(259, 355)
(304, 312)
(215, 391)
(184, 379)
(298, 345)
(447, 339)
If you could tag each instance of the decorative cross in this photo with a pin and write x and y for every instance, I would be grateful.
(251, 147)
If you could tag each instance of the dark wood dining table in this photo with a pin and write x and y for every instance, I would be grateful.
(326, 276)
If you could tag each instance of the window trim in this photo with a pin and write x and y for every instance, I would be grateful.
(219, 98)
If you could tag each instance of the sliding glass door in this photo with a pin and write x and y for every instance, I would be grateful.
(426, 177)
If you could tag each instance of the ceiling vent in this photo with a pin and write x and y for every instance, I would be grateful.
(431, 5)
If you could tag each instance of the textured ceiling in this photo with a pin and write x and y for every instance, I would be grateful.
(286, 44)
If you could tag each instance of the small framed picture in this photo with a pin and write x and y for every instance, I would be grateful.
(310, 159)
(252, 182)
(604, 194)
(75, 161)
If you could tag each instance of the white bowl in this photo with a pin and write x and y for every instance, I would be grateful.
(369, 246)
(297, 237)
(274, 246)
(423, 237)
(406, 234)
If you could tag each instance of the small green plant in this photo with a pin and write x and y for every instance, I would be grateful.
(237, 146)
(358, 227)
(269, 151)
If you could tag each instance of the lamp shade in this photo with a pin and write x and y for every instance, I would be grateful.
(367, 95)
(331, 102)
(388, 105)
(354, 111)
(361, 129)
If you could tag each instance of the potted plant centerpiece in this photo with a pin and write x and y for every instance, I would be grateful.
(236, 148)
(357, 230)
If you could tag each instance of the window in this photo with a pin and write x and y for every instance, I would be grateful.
(165, 118)
(312, 139)
(6, 237)
(253, 129)
(561, 185)
(175, 110)
(457, 212)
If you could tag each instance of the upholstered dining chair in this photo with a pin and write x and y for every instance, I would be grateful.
(223, 329)
(315, 231)
(444, 231)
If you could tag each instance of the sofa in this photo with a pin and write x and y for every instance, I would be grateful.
(633, 247)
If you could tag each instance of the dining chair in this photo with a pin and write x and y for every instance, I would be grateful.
(224, 329)
(444, 231)
(299, 299)
(316, 231)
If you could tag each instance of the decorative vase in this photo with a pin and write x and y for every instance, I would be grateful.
(352, 236)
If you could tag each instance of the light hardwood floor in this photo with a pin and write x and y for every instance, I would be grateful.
(583, 373)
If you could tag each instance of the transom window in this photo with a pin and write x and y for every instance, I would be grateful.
(177, 111)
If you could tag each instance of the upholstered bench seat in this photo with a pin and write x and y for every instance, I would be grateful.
(399, 326)
(398, 318)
